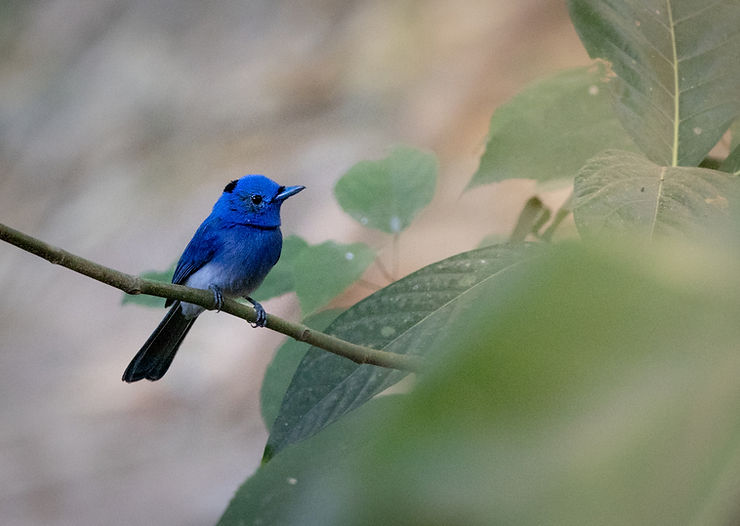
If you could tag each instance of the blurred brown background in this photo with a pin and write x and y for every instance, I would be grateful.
(120, 123)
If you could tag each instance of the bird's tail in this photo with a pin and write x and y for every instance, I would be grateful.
(155, 356)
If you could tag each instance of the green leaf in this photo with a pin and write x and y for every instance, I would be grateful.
(260, 499)
(323, 271)
(732, 163)
(551, 128)
(387, 194)
(284, 364)
(145, 299)
(280, 280)
(593, 386)
(735, 134)
(493, 239)
(405, 318)
(622, 192)
(677, 70)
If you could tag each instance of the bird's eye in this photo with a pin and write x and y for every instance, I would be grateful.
(256, 199)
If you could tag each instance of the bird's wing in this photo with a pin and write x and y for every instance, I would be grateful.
(199, 251)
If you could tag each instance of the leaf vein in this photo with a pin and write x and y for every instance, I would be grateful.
(697, 12)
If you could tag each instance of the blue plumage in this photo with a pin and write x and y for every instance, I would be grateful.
(231, 253)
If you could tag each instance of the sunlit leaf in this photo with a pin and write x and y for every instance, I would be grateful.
(677, 82)
(387, 194)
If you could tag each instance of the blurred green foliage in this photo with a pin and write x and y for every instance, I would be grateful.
(586, 382)
(387, 194)
(591, 381)
(596, 385)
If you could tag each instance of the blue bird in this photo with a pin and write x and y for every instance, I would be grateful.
(231, 253)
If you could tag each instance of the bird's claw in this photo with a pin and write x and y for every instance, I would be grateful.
(218, 297)
(260, 312)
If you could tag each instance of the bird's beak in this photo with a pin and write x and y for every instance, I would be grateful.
(287, 192)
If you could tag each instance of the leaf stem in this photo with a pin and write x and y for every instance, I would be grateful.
(564, 211)
(137, 285)
(383, 270)
(531, 218)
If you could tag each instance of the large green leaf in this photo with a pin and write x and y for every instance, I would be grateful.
(590, 387)
(551, 128)
(622, 192)
(281, 280)
(261, 499)
(565, 396)
(677, 82)
(404, 318)
(322, 271)
(387, 194)
(284, 364)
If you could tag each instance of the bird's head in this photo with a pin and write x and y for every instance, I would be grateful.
(254, 200)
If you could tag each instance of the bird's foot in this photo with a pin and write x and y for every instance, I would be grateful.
(218, 297)
(261, 314)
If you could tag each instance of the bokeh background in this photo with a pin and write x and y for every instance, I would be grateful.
(120, 123)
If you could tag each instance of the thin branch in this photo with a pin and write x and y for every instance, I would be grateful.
(136, 285)
(383, 270)
(396, 256)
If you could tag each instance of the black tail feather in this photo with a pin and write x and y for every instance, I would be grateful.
(156, 355)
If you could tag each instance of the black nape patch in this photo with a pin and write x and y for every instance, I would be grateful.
(230, 187)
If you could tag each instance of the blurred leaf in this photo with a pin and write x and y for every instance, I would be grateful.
(145, 299)
(735, 134)
(677, 70)
(712, 163)
(280, 280)
(259, 500)
(592, 386)
(732, 163)
(551, 128)
(388, 194)
(283, 366)
(323, 271)
(493, 239)
(404, 317)
(620, 192)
